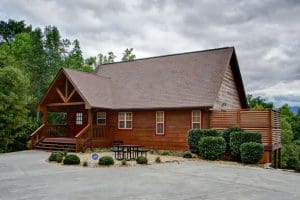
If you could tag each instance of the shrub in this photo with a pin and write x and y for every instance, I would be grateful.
(194, 136)
(71, 159)
(252, 137)
(157, 160)
(290, 155)
(251, 152)
(211, 147)
(141, 160)
(165, 153)
(226, 136)
(187, 154)
(106, 160)
(238, 138)
(56, 156)
(124, 162)
(85, 164)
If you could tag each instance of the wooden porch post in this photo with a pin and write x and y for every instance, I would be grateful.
(45, 117)
(90, 122)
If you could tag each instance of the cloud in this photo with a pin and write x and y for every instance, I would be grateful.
(265, 33)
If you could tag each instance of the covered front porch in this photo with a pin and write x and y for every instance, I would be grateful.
(71, 127)
(69, 123)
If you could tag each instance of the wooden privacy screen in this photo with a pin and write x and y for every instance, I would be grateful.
(267, 122)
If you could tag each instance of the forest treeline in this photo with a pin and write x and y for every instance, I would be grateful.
(29, 60)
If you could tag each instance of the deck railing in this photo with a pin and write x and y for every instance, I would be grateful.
(83, 138)
(37, 136)
(54, 130)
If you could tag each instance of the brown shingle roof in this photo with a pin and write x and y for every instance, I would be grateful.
(175, 81)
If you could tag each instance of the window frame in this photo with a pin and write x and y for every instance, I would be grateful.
(99, 124)
(125, 121)
(159, 122)
(198, 122)
(79, 118)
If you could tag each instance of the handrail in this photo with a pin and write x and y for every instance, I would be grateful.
(82, 131)
(37, 130)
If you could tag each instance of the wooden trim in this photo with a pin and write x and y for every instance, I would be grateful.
(164, 124)
(125, 121)
(60, 94)
(200, 122)
(66, 104)
(82, 131)
(66, 88)
(70, 96)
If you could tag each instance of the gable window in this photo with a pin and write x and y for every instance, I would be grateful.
(160, 122)
(125, 120)
(79, 117)
(196, 119)
(101, 118)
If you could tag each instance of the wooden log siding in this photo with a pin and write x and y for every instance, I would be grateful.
(267, 122)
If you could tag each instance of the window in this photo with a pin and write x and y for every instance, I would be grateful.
(101, 118)
(125, 120)
(160, 120)
(196, 119)
(79, 117)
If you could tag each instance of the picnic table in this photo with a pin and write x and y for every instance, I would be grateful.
(129, 152)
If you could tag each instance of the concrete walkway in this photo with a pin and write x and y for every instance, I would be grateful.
(26, 175)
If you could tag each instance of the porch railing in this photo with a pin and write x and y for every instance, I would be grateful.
(57, 130)
(37, 136)
(99, 131)
(83, 138)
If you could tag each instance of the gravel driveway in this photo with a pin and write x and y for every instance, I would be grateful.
(26, 175)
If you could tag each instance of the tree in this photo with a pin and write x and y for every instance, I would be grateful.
(8, 30)
(105, 59)
(14, 87)
(258, 102)
(128, 55)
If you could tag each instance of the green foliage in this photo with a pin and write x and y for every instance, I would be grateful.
(290, 156)
(141, 160)
(187, 154)
(251, 152)
(106, 160)
(226, 136)
(128, 55)
(258, 102)
(8, 30)
(56, 156)
(194, 136)
(71, 159)
(124, 162)
(238, 138)
(157, 160)
(14, 99)
(211, 147)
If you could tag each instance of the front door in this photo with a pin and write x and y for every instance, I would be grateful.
(79, 122)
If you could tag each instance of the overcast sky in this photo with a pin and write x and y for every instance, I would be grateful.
(266, 34)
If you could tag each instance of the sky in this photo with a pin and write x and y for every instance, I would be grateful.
(265, 33)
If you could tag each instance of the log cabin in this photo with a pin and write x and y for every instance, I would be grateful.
(151, 102)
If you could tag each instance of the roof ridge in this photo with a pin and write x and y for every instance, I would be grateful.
(161, 56)
(88, 73)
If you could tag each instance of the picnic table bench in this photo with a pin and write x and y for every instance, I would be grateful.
(129, 152)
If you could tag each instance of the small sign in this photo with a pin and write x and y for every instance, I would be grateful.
(95, 156)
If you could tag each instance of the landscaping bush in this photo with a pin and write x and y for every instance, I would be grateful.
(226, 136)
(252, 137)
(85, 164)
(106, 160)
(194, 136)
(187, 155)
(141, 160)
(71, 159)
(157, 160)
(238, 138)
(124, 162)
(211, 147)
(56, 156)
(251, 152)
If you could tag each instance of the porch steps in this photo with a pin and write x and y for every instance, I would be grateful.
(59, 144)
